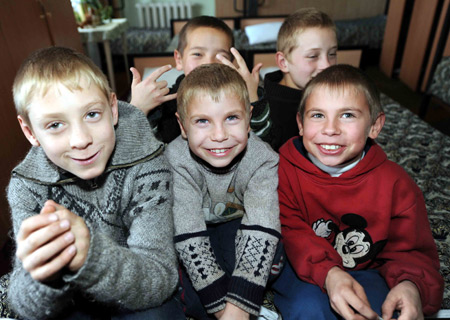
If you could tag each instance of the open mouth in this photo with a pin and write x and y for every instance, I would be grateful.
(330, 147)
(219, 152)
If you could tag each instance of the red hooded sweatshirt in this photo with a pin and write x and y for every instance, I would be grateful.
(371, 217)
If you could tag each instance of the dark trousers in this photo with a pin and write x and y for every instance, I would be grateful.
(170, 310)
(222, 237)
(297, 299)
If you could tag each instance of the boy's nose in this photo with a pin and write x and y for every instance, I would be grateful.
(331, 127)
(80, 137)
(324, 62)
(219, 134)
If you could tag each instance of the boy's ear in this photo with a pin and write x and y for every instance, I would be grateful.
(299, 124)
(282, 62)
(178, 60)
(183, 132)
(375, 129)
(114, 107)
(28, 132)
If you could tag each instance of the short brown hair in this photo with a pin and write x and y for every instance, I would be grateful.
(296, 23)
(212, 80)
(206, 22)
(49, 66)
(345, 77)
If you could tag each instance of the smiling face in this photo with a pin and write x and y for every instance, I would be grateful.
(202, 46)
(216, 131)
(336, 125)
(74, 128)
(315, 51)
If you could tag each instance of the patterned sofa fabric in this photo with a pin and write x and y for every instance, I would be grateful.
(424, 153)
(440, 85)
(366, 32)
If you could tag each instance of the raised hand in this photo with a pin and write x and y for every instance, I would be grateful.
(251, 79)
(149, 93)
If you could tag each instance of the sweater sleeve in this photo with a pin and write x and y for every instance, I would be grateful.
(145, 269)
(261, 122)
(311, 256)
(259, 233)
(139, 274)
(410, 253)
(191, 239)
(29, 298)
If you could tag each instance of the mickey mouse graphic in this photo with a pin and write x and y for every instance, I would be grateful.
(354, 244)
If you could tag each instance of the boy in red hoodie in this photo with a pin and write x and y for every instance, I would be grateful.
(354, 224)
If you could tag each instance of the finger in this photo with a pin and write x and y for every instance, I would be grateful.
(387, 309)
(169, 97)
(40, 237)
(43, 254)
(161, 84)
(48, 207)
(136, 77)
(159, 72)
(34, 223)
(362, 307)
(239, 60)
(225, 61)
(55, 204)
(257, 68)
(46, 271)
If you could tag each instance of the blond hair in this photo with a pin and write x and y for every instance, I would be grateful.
(48, 67)
(214, 80)
(296, 23)
(342, 77)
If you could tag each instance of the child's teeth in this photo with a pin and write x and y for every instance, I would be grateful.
(330, 147)
(218, 150)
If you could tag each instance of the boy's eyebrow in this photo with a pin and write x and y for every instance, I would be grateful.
(346, 108)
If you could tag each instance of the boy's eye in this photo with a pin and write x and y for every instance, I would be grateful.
(332, 54)
(317, 115)
(201, 121)
(92, 115)
(348, 115)
(197, 54)
(54, 125)
(233, 117)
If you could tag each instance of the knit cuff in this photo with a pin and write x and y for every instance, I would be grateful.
(246, 295)
(213, 296)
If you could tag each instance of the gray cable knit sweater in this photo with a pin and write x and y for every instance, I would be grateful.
(201, 196)
(131, 262)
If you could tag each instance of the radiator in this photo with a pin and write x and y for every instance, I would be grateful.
(158, 15)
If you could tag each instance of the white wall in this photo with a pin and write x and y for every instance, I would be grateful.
(200, 7)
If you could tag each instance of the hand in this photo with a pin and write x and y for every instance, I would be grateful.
(251, 79)
(346, 293)
(149, 93)
(80, 232)
(45, 244)
(232, 312)
(404, 297)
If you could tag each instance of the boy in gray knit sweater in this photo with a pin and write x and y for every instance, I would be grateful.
(226, 210)
(91, 202)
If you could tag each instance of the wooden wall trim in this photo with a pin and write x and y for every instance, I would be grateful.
(417, 41)
(338, 10)
(434, 46)
(391, 36)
